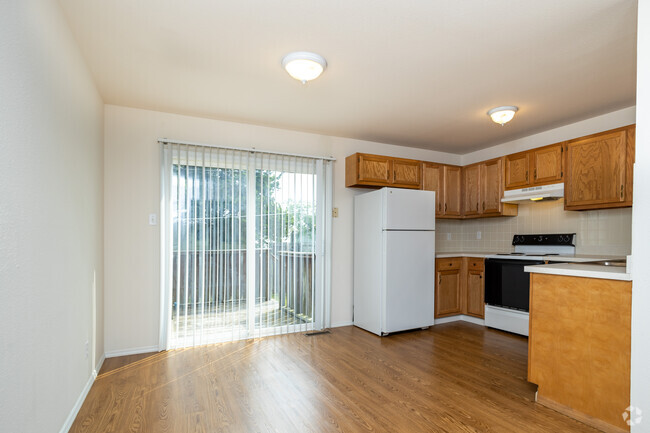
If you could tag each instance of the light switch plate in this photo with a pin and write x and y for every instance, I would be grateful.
(335, 212)
(478, 235)
(153, 219)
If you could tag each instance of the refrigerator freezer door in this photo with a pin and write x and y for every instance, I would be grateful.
(408, 209)
(410, 279)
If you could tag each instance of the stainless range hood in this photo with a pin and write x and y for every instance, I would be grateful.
(534, 193)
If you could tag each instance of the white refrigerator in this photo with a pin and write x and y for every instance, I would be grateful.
(394, 260)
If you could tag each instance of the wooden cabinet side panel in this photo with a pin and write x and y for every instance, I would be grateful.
(629, 168)
(579, 344)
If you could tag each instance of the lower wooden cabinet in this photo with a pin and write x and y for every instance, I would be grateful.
(460, 286)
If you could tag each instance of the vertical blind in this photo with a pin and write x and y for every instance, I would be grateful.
(245, 241)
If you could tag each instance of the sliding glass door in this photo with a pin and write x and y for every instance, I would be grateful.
(243, 242)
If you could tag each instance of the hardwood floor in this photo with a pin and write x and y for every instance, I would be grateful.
(455, 377)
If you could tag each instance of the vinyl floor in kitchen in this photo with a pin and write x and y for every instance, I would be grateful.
(456, 377)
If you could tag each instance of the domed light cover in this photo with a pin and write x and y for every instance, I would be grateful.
(502, 115)
(304, 66)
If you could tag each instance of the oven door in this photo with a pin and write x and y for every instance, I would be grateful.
(506, 283)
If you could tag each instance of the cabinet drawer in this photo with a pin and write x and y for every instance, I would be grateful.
(475, 264)
(449, 263)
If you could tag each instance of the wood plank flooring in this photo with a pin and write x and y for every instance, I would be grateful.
(455, 377)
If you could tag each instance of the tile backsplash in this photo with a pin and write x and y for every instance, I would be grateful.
(607, 231)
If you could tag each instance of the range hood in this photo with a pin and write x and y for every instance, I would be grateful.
(534, 193)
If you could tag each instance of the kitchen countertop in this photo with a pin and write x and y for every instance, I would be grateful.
(563, 258)
(479, 254)
(582, 270)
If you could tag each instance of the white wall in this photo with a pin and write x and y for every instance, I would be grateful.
(593, 125)
(51, 172)
(132, 174)
(640, 371)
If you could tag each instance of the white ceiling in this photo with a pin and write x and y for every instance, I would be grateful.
(418, 73)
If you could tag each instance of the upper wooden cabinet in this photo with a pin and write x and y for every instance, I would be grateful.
(599, 170)
(491, 186)
(445, 180)
(546, 164)
(517, 167)
(483, 190)
(452, 188)
(471, 193)
(366, 170)
(541, 166)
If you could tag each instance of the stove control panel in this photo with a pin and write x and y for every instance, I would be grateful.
(550, 239)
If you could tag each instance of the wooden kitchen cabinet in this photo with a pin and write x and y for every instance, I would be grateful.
(483, 190)
(452, 187)
(471, 190)
(536, 167)
(579, 347)
(517, 167)
(460, 287)
(599, 170)
(546, 164)
(445, 180)
(448, 287)
(365, 170)
(475, 288)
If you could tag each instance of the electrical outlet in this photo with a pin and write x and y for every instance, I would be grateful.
(448, 236)
(335, 212)
(152, 219)
(478, 235)
(86, 347)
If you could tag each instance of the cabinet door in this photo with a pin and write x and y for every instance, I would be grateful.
(374, 168)
(406, 173)
(595, 170)
(447, 299)
(452, 191)
(475, 293)
(472, 191)
(517, 166)
(433, 180)
(491, 187)
(547, 164)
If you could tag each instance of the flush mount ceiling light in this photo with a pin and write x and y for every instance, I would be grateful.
(502, 115)
(304, 66)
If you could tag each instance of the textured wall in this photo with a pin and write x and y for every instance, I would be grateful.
(51, 217)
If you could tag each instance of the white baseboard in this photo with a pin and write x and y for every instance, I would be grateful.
(98, 367)
(77, 405)
(132, 351)
(338, 325)
(460, 317)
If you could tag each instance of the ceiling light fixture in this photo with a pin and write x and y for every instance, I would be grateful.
(502, 115)
(304, 66)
